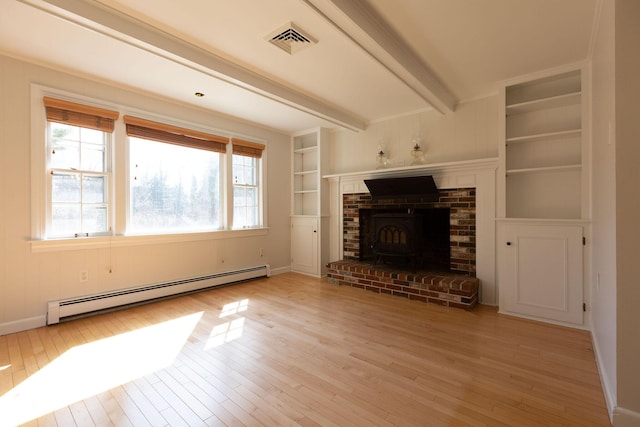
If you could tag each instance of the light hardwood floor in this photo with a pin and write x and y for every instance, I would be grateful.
(294, 350)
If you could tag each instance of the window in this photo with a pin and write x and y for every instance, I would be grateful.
(99, 176)
(246, 183)
(175, 178)
(79, 168)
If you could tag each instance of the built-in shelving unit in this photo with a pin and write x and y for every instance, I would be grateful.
(543, 154)
(309, 202)
(543, 203)
(306, 174)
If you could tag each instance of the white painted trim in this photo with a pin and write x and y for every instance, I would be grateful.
(609, 392)
(22, 324)
(363, 25)
(122, 241)
(479, 174)
(280, 270)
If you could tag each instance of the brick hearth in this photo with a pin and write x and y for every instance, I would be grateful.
(449, 290)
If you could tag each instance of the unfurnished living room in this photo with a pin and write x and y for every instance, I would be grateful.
(319, 213)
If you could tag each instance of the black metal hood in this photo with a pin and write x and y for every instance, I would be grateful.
(407, 187)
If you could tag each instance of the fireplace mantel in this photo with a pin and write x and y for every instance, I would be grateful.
(428, 169)
(479, 174)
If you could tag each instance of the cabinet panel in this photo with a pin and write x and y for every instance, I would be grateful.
(304, 245)
(540, 271)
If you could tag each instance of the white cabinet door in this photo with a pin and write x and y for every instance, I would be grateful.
(304, 245)
(540, 271)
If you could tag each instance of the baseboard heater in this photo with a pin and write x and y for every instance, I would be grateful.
(59, 310)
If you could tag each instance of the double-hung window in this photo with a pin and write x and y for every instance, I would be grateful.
(246, 183)
(79, 169)
(175, 178)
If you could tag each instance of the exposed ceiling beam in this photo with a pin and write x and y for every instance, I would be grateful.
(359, 21)
(110, 22)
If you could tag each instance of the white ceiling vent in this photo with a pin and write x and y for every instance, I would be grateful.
(290, 38)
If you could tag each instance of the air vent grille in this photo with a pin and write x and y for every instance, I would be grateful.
(290, 38)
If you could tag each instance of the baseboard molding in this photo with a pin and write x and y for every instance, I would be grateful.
(625, 417)
(22, 324)
(608, 391)
(280, 270)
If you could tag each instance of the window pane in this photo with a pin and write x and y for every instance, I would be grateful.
(60, 131)
(92, 136)
(94, 219)
(173, 188)
(65, 188)
(65, 219)
(93, 158)
(93, 189)
(65, 154)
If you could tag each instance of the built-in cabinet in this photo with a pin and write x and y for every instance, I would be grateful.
(544, 177)
(540, 270)
(309, 202)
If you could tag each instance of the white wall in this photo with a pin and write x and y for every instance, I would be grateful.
(29, 279)
(603, 298)
(627, 94)
(471, 132)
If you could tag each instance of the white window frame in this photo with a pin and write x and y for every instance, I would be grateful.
(258, 186)
(108, 173)
(119, 184)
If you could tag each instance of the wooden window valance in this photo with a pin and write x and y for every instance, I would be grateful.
(161, 132)
(247, 148)
(71, 113)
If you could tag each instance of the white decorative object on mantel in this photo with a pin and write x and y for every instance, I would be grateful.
(479, 174)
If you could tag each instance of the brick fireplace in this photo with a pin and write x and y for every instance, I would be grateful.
(454, 285)
(460, 202)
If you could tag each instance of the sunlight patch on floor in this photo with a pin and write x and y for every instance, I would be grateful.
(231, 330)
(234, 307)
(92, 368)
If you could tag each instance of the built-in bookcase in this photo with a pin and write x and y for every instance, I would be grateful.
(310, 202)
(543, 154)
(306, 174)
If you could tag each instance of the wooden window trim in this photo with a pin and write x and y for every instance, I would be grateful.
(247, 148)
(71, 113)
(162, 132)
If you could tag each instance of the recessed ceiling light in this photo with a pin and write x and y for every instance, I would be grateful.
(199, 94)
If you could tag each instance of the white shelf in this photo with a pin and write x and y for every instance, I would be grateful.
(545, 103)
(544, 169)
(547, 136)
(305, 150)
(306, 172)
(305, 191)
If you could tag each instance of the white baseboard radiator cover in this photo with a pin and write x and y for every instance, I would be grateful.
(59, 310)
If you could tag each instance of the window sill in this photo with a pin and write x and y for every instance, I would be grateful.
(137, 240)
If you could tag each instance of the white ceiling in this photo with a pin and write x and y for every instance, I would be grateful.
(374, 58)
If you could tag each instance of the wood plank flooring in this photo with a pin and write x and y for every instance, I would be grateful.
(294, 350)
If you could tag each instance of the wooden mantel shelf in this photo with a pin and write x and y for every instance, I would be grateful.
(433, 168)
